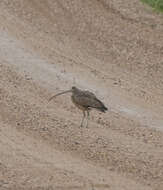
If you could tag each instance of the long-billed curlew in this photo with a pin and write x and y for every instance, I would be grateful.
(84, 100)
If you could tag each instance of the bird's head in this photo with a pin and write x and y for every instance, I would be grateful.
(73, 88)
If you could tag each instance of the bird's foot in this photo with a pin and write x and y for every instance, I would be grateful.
(81, 125)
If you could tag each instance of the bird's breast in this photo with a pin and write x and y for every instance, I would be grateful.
(77, 103)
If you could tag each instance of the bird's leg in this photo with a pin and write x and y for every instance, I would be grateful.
(82, 119)
(87, 118)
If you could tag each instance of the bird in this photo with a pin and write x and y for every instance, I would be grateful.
(85, 101)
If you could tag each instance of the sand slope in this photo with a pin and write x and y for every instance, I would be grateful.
(114, 49)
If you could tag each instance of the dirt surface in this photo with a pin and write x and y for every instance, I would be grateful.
(113, 48)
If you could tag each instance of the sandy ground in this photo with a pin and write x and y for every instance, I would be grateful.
(113, 48)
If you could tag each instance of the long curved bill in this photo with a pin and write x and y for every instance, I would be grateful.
(59, 94)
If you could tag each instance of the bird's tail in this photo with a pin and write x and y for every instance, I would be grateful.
(103, 109)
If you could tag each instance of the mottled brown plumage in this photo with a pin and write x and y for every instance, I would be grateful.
(85, 101)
